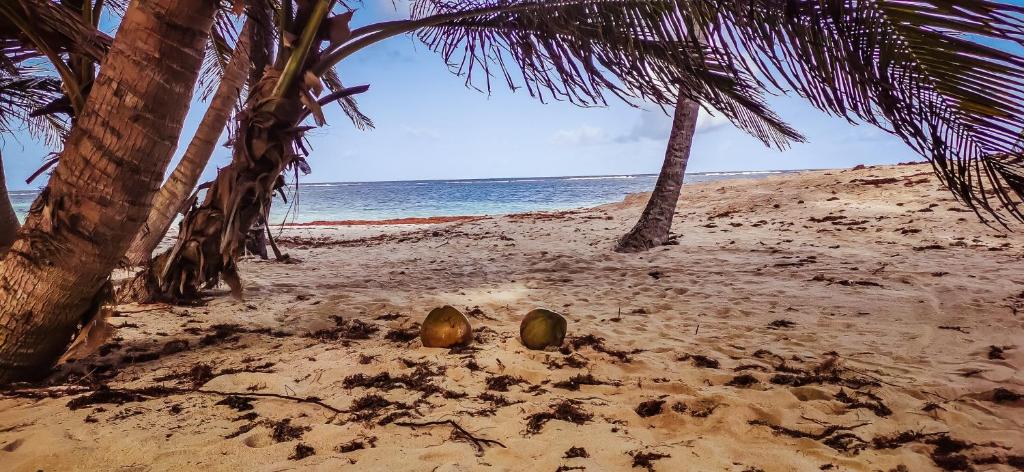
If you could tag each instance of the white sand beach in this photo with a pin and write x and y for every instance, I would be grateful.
(855, 320)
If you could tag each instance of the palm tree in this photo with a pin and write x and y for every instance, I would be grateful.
(654, 226)
(903, 66)
(174, 193)
(186, 174)
(44, 29)
(27, 93)
(100, 191)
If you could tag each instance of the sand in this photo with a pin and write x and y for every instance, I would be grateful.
(829, 305)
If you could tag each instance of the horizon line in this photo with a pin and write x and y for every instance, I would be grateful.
(528, 177)
(557, 176)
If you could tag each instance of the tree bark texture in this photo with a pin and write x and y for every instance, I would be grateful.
(171, 197)
(100, 193)
(8, 220)
(655, 223)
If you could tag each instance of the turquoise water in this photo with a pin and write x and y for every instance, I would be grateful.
(423, 198)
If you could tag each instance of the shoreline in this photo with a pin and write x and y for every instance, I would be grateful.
(628, 198)
(429, 220)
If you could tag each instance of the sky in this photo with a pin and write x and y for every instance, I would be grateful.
(429, 125)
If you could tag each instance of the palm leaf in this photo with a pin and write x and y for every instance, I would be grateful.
(42, 28)
(264, 37)
(23, 93)
(348, 103)
(579, 50)
(921, 69)
(223, 35)
(58, 27)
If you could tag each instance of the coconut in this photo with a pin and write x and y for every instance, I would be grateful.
(446, 327)
(542, 328)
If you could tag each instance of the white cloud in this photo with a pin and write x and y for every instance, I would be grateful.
(422, 133)
(707, 122)
(655, 125)
(582, 136)
(863, 133)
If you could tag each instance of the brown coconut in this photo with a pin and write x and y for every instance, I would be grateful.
(446, 327)
(542, 328)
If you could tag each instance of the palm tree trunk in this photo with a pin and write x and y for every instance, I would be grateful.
(179, 185)
(8, 220)
(100, 192)
(656, 221)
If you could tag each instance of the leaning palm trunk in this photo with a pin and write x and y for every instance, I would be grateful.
(8, 220)
(100, 192)
(655, 222)
(171, 197)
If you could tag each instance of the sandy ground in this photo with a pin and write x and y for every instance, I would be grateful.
(819, 321)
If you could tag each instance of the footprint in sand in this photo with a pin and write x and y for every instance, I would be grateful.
(810, 393)
(257, 440)
(13, 445)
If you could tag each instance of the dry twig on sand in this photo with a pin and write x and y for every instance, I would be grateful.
(479, 443)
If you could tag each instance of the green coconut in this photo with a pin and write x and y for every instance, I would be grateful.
(542, 328)
(446, 327)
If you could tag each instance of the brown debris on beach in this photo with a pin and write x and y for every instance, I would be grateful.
(797, 323)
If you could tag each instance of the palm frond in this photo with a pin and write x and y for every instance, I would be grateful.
(23, 93)
(264, 37)
(924, 70)
(65, 37)
(579, 50)
(53, 24)
(348, 103)
(115, 7)
(223, 37)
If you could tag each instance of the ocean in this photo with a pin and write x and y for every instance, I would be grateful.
(425, 198)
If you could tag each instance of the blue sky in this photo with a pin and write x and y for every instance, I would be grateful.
(430, 126)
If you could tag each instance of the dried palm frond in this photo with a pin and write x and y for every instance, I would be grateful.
(347, 103)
